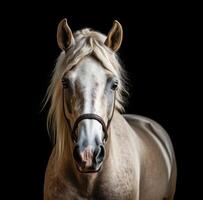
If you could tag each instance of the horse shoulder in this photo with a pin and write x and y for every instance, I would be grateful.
(54, 186)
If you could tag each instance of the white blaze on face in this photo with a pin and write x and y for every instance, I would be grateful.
(90, 78)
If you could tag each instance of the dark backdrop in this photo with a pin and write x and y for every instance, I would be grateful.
(158, 52)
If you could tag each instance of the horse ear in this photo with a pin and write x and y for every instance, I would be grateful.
(115, 36)
(65, 37)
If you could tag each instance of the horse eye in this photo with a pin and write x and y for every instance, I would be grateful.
(65, 82)
(114, 85)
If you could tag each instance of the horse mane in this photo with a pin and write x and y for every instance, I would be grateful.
(87, 43)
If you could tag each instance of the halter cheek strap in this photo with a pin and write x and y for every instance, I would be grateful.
(89, 116)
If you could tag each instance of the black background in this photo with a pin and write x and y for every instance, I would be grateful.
(159, 52)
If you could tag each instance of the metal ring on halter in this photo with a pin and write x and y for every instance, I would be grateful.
(89, 116)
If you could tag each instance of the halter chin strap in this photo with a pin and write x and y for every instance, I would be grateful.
(89, 116)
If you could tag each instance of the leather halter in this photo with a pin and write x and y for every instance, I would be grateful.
(89, 116)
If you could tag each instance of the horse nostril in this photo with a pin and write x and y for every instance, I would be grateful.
(76, 154)
(99, 154)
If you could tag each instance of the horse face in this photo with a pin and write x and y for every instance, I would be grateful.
(89, 88)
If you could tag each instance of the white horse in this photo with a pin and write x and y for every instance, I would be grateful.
(100, 153)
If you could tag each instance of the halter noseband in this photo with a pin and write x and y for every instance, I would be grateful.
(89, 116)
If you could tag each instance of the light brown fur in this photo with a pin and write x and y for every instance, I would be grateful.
(139, 163)
(134, 168)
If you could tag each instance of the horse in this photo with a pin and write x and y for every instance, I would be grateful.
(99, 152)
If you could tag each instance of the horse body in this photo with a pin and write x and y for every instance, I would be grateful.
(133, 146)
(100, 153)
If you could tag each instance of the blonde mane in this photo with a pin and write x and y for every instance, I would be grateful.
(87, 43)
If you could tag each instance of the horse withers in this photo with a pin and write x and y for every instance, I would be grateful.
(98, 152)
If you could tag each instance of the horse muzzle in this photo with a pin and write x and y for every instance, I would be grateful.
(89, 160)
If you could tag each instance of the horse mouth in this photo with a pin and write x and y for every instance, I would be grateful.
(92, 169)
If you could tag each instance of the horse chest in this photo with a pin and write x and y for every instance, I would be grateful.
(117, 187)
(114, 188)
(116, 192)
